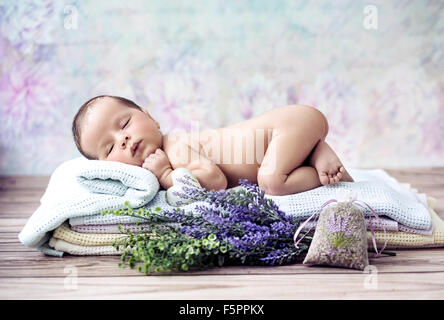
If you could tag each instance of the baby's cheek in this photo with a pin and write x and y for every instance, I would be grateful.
(123, 159)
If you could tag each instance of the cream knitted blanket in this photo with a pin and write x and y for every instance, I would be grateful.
(87, 239)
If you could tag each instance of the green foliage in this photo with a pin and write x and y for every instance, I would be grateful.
(165, 250)
(252, 231)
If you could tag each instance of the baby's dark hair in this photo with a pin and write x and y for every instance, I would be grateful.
(82, 111)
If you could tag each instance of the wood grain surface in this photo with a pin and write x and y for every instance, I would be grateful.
(28, 274)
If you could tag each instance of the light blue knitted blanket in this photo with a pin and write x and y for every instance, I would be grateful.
(80, 189)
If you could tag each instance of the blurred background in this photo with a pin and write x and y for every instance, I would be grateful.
(374, 68)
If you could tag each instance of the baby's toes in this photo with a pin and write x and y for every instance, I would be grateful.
(334, 176)
(339, 175)
(323, 178)
(331, 175)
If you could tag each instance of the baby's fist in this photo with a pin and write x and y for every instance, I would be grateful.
(157, 163)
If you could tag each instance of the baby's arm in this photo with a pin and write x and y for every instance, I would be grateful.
(209, 175)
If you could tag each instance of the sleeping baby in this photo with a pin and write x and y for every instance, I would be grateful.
(283, 150)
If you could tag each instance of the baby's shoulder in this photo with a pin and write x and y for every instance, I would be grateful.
(175, 140)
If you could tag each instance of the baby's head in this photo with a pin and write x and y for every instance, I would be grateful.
(115, 129)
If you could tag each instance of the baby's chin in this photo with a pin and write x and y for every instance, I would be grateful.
(137, 163)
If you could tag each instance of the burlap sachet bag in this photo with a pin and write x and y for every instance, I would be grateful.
(340, 238)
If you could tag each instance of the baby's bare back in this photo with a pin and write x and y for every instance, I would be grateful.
(238, 149)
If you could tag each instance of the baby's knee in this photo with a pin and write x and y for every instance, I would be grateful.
(271, 184)
(308, 118)
(325, 121)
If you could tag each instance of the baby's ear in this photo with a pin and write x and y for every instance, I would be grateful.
(148, 114)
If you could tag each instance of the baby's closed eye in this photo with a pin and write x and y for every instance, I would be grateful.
(126, 123)
(123, 127)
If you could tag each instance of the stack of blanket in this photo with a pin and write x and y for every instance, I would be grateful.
(69, 218)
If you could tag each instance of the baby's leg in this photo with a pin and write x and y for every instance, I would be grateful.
(282, 171)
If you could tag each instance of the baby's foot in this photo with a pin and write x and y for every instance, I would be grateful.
(328, 165)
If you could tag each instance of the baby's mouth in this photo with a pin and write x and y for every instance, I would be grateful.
(135, 148)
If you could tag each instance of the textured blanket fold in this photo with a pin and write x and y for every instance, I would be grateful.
(382, 198)
(406, 240)
(82, 187)
(110, 228)
(63, 232)
(59, 245)
(379, 225)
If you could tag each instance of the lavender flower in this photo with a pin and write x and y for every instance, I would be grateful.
(340, 232)
(245, 226)
(339, 224)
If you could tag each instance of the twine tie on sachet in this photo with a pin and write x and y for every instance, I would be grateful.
(302, 225)
(372, 230)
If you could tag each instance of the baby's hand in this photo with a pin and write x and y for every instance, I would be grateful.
(157, 163)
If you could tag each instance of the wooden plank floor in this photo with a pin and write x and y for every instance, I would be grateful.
(28, 274)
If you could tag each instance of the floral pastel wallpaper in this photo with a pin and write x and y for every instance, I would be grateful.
(375, 68)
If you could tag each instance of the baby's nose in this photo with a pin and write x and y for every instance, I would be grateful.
(125, 141)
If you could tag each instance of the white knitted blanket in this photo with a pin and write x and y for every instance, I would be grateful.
(80, 189)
